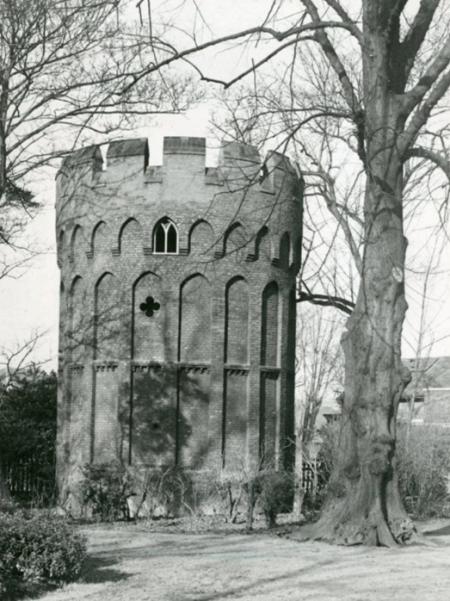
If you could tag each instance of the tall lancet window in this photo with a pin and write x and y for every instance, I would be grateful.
(165, 237)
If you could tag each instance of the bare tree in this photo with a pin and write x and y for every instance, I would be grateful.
(319, 375)
(63, 68)
(387, 66)
(422, 345)
(13, 362)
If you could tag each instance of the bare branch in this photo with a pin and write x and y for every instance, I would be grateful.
(16, 360)
(325, 300)
(246, 33)
(329, 195)
(435, 157)
(340, 10)
(333, 58)
(63, 67)
(413, 40)
(428, 83)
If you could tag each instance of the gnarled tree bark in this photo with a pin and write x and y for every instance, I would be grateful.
(364, 505)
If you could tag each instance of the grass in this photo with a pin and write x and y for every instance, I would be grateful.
(164, 562)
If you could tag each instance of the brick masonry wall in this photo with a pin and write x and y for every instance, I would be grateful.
(187, 384)
(236, 322)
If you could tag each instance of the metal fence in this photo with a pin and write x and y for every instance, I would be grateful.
(314, 477)
(28, 480)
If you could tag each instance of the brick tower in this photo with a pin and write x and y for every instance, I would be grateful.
(177, 318)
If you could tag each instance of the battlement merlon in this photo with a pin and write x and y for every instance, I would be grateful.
(121, 150)
(87, 156)
(184, 145)
(238, 163)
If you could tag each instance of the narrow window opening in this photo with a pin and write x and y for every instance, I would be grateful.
(165, 240)
(171, 239)
(160, 239)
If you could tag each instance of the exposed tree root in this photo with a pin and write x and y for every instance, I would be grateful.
(338, 526)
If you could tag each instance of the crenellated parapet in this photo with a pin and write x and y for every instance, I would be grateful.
(103, 188)
(238, 164)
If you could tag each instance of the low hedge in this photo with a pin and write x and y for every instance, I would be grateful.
(36, 549)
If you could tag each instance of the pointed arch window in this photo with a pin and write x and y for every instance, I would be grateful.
(165, 238)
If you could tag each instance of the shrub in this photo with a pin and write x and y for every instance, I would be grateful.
(38, 549)
(8, 506)
(277, 491)
(273, 491)
(28, 434)
(229, 490)
(106, 488)
(168, 492)
(424, 467)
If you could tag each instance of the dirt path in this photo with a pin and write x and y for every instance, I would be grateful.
(129, 563)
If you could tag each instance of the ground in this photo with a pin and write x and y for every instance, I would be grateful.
(129, 562)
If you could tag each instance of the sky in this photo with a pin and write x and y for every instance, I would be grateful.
(29, 303)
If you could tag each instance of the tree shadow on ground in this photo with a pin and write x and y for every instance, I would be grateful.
(281, 580)
(17, 591)
(443, 531)
(99, 570)
(172, 549)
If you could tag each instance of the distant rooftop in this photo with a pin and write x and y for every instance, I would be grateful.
(434, 372)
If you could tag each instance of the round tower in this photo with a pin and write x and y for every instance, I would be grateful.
(177, 319)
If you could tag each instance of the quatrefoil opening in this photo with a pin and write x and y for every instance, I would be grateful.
(149, 306)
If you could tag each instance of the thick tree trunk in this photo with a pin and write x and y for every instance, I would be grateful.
(364, 506)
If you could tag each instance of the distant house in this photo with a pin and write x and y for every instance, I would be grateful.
(430, 387)
(331, 414)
